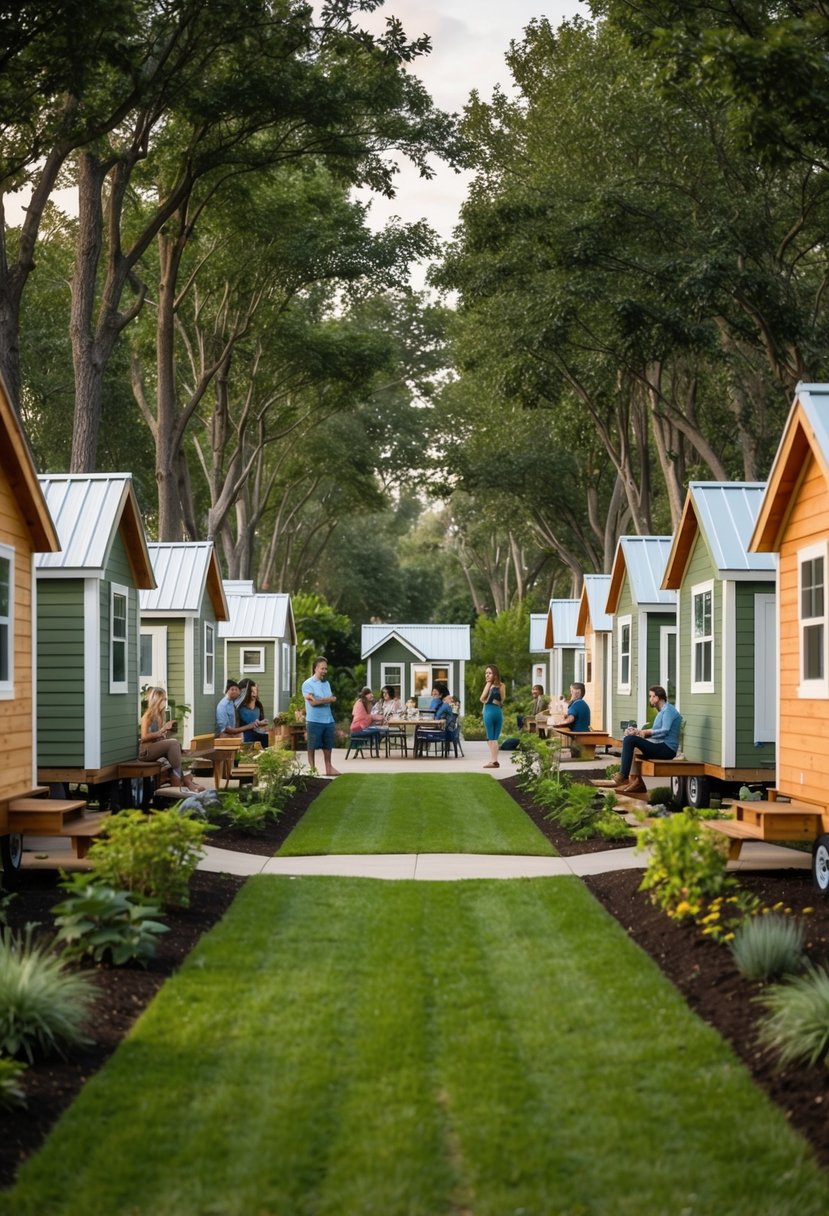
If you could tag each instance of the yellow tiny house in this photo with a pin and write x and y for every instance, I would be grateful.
(26, 528)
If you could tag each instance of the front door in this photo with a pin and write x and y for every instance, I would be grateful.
(153, 656)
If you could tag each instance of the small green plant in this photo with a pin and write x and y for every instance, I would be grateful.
(610, 826)
(686, 868)
(276, 773)
(5, 900)
(103, 923)
(768, 947)
(244, 814)
(611, 770)
(550, 793)
(11, 1091)
(536, 759)
(661, 795)
(42, 1005)
(152, 855)
(798, 1023)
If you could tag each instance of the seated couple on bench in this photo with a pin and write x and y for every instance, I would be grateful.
(659, 742)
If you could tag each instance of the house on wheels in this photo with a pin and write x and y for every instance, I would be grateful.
(412, 658)
(727, 651)
(259, 642)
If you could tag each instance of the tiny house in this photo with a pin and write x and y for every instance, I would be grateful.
(180, 617)
(259, 642)
(412, 658)
(539, 655)
(87, 628)
(727, 637)
(565, 647)
(643, 648)
(595, 626)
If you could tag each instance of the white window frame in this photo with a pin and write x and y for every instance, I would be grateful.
(257, 664)
(702, 686)
(622, 623)
(813, 688)
(385, 668)
(208, 653)
(7, 685)
(578, 666)
(119, 686)
(287, 667)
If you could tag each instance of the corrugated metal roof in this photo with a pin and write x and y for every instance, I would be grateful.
(596, 587)
(238, 586)
(562, 620)
(266, 615)
(434, 642)
(727, 512)
(538, 629)
(181, 574)
(645, 558)
(87, 510)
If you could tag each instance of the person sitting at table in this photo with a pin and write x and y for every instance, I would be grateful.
(439, 691)
(226, 722)
(250, 713)
(390, 706)
(536, 708)
(154, 744)
(362, 722)
(577, 717)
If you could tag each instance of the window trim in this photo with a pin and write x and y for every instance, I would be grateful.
(7, 686)
(384, 676)
(812, 689)
(622, 622)
(258, 665)
(118, 687)
(209, 630)
(703, 686)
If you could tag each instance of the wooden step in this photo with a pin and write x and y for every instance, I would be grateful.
(671, 768)
(43, 816)
(736, 832)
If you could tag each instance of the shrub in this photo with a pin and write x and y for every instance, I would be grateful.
(152, 855)
(536, 759)
(11, 1091)
(686, 868)
(42, 1005)
(661, 795)
(550, 793)
(612, 827)
(245, 813)
(97, 920)
(768, 947)
(611, 770)
(798, 1023)
(276, 772)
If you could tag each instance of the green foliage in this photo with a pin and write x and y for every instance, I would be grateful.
(244, 812)
(43, 1006)
(612, 827)
(686, 866)
(11, 1091)
(768, 947)
(502, 640)
(277, 770)
(797, 1026)
(580, 809)
(103, 923)
(5, 900)
(151, 855)
(536, 759)
(660, 796)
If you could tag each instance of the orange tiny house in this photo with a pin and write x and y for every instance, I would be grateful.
(26, 528)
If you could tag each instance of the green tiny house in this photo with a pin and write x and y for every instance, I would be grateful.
(413, 657)
(87, 625)
(259, 642)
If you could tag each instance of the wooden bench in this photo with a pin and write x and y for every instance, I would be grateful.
(774, 822)
(671, 768)
(586, 740)
(66, 817)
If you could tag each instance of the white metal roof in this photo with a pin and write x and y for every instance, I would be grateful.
(538, 629)
(595, 588)
(727, 512)
(87, 510)
(265, 615)
(433, 642)
(645, 559)
(181, 572)
(564, 616)
(238, 586)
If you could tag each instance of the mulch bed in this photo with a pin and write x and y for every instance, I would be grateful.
(702, 972)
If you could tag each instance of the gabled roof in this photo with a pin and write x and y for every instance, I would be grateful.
(538, 632)
(805, 434)
(426, 642)
(642, 559)
(592, 605)
(19, 469)
(183, 571)
(263, 615)
(560, 632)
(89, 509)
(724, 513)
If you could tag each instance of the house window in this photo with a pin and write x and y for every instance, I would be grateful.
(119, 600)
(624, 634)
(252, 658)
(702, 637)
(813, 625)
(392, 674)
(6, 620)
(209, 657)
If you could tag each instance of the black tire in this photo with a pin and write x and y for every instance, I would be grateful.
(678, 790)
(698, 792)
(11, 855)
(820, 864)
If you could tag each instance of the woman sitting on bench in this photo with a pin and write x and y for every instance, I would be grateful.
(660, 742)
(155, 745)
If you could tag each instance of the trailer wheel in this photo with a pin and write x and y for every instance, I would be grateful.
(11, 855)
(678, 792)
(699, 792)
(820, 863)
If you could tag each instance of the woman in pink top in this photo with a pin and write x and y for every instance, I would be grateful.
(362, 723)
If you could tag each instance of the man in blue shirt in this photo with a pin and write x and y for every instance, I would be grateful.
(578, 711)
(226, 711)
(319, 717)
(660, 742)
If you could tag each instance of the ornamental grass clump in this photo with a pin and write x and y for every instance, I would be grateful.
(768, 947)
(798, 1023)
(43, 1006)
(151, 855)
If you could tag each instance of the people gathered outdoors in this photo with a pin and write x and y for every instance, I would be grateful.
(319, 716)
(156, 744)
(250, 713)
(657, 742)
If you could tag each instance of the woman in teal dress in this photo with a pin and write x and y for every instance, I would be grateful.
(492, 699)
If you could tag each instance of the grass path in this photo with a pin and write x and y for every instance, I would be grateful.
(345, 1047)
(415, 813)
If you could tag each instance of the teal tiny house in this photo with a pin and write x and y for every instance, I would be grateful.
(180, 648)
(259, 642)
(87, 627)
(412, 658)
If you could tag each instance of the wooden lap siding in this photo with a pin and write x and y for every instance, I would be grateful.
(804, 724)
(60, 672)
(16, 710)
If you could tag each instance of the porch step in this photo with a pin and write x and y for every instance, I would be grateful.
(43, 816)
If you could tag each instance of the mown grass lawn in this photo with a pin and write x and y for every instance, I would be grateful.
(415, 813)
(339, 1047)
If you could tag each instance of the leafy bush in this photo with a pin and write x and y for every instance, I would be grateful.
(276, 772)
(550, 793)
(42, 1005)
(612, 827)
(686, 868)
(11, 1091)
(152, 855)
(660, 795)
(98, 920)
(244, 812)
(798, 1023)
(611, 770)
(536, 759)
(768, 947)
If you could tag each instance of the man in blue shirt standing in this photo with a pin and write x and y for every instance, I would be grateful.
(319, 717)
(578, 711)
(660, 742)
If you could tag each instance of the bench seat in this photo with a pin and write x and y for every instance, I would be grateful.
(735, 831)
(586, 740)
(671, 768)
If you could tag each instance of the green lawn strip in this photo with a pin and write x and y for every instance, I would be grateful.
(415, 813)
(340, 1047)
